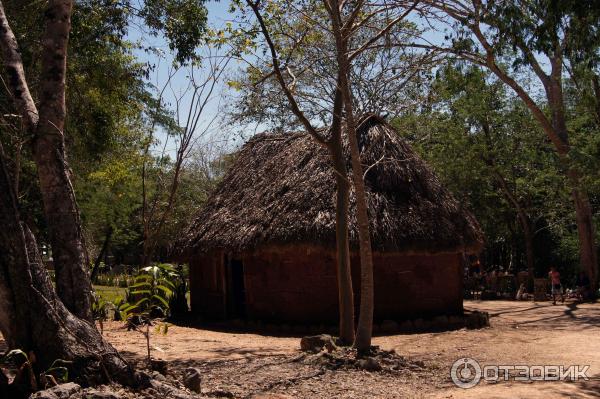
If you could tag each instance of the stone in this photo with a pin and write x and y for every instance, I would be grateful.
(162, 366)
(370, 364)
(62, 391)
(285, 328)
(440, 322)
(389, 326)
(476, 319)
(419, 325)
(407, 326)
(192, 379)
(316, 343)
(456, 321)
(94, 394)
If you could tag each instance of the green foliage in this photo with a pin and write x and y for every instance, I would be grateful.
(182, 21)
(151, 291)
(474, 133)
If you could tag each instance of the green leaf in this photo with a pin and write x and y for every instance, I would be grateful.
(138, 292)
(162, 300)
(142, 284)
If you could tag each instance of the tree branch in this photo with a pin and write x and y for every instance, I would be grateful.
(276, 68)
(13, 65)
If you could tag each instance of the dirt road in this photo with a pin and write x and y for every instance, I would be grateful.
(522, 333)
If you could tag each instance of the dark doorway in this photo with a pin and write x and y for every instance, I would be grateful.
(238, 289)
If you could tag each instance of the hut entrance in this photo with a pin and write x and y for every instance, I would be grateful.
(237, 289)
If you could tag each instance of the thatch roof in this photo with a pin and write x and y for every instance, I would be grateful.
(281, 190)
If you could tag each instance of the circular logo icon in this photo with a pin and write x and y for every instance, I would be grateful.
(465, 373)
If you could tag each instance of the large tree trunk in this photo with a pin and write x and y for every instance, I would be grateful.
(66, 237)
(587, 237)
(45, 124)
(42, 324)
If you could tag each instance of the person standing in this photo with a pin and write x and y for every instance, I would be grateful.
(554, 276)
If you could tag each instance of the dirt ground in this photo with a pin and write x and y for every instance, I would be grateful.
(241, 364)
(521, 333)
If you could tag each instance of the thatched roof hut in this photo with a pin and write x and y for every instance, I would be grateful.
(274, 212)
(282, 190)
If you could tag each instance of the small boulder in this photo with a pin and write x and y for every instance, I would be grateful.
(389, 326)
(419, 325)
(62, 391)
(192, 379)
(369, 364)
(94, 394)
(159, 365)
(407, 326)
(316, 343)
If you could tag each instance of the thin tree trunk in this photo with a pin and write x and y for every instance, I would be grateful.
(367, 304)
(365, 320)
(344, 275)
(523, 221)
(42, 323)
(334, 145)
(101, 255)
(529, 252)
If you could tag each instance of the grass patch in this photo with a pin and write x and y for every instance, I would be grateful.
(109, 293)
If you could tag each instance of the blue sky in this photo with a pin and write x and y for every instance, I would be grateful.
(217, 15)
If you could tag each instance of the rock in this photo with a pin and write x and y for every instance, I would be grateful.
(440, 322)
(389, 326)
(169, 391)
(62, 391)
(159, 365)
(370, 364)
(142, 378)
(94, 394)
(476, 319)
(456, 321)
(285, 328)
(419, 325)
(316, 343)
(299, 329)
(407, 326)
(192, 379)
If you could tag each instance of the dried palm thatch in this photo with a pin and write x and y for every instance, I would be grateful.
(281, 190)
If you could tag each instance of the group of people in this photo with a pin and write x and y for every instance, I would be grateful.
(582, 284)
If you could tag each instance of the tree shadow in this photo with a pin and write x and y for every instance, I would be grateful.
(569, 316)
(584, 389)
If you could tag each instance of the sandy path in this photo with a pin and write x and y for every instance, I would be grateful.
(521, 333)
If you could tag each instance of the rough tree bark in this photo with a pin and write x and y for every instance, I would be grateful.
(45, 125)
(40, 322)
